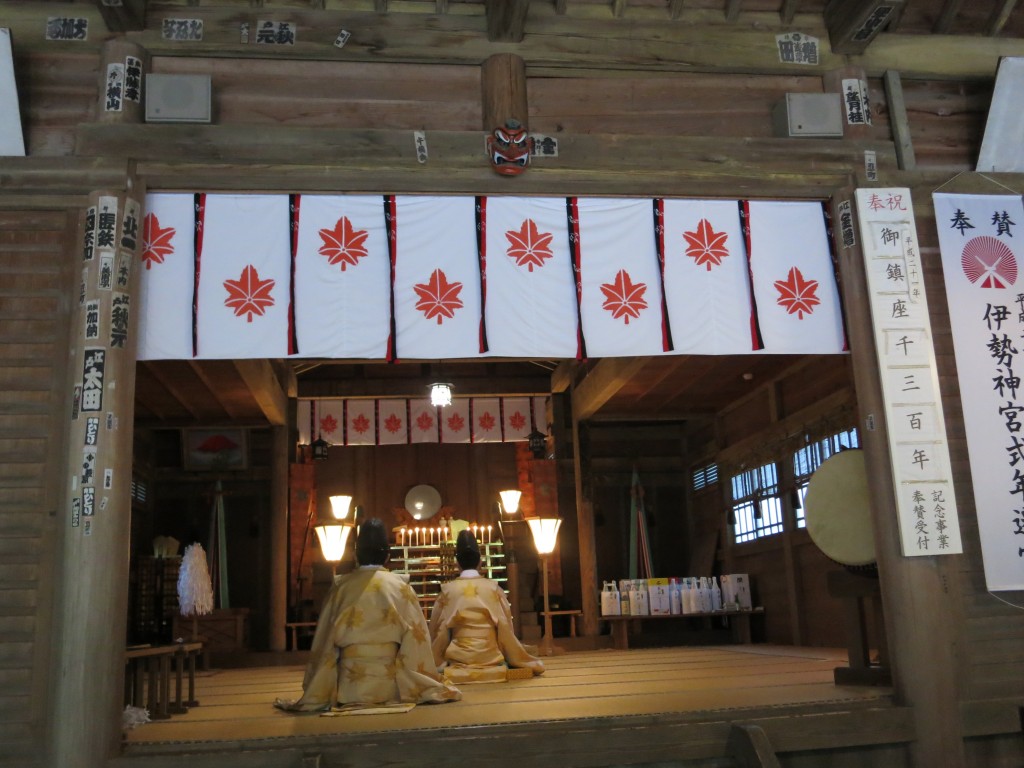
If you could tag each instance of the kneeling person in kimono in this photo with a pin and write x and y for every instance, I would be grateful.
(471, 625)
(372, 644)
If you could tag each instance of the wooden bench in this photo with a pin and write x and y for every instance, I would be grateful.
(739, 623)
(572, 614)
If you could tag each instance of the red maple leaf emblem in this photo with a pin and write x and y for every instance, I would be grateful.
(486, 421)
(529, 246)
(438, 297)
(797, 295)
(344, 244)
(517, 420)
(328, 424)
(624, 298)
(249, 295)
(392, 423)
(705, 246)
(424, 422)
(360, 423)
(456, 423)
(156, 241)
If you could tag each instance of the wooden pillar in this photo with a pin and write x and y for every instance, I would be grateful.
(95, 513)
(278, 602)
(587, 542)
(121, 79)
(503, 88)
(920, 615)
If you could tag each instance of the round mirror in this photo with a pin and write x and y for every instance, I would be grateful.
(423, 501)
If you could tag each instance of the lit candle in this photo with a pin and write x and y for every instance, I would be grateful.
(488, 534)
(416, 540)
(474, 530)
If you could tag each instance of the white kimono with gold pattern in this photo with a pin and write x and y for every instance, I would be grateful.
(371, 647)
(471, 627)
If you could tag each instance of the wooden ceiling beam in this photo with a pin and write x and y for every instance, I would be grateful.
(181, 397)
(1000, 15)
(260, 377)
(602, 382)
(788, 11)
(944, 23)
(462, 386)
(207, 372)
(506, 20)
(127, 16)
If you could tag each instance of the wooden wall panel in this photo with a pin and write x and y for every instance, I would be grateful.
(337, 94)
(33, 321)
(947, 121)
(57, 91)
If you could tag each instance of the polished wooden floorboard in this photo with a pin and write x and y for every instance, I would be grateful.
(236, 704)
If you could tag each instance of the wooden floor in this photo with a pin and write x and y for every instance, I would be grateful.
(710, 683)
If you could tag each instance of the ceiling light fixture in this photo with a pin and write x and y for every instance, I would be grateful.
(440, 394)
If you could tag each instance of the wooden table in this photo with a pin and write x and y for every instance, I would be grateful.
(739, 623)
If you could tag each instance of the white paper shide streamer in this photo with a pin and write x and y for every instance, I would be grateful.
(195, 590)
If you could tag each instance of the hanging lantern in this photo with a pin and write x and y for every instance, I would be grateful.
(319, 447)
(538, 443)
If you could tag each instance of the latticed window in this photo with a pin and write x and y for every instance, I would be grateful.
(756, 507)
(810, 457)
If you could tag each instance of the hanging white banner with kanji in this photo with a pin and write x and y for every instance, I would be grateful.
(981, 259)
(342, 276)
(424, 425)
(918, 450)
(167, 277)
(436, 277)
(530, 299)
(795, 290)
(707, 283)
(243, 287)
(619, 277)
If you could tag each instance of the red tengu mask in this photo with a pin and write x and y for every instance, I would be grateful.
(509, 148)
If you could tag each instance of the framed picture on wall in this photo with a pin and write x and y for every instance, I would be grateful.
(215, 449)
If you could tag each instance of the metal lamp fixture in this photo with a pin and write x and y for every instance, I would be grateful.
(545, 536)
(334, 537)
(340, 506)
(440, 394)
(510, 500)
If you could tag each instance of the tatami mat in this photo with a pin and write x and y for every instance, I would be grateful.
(236, 704)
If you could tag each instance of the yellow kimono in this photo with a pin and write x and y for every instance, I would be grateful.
(371, 647)
(471, 627)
